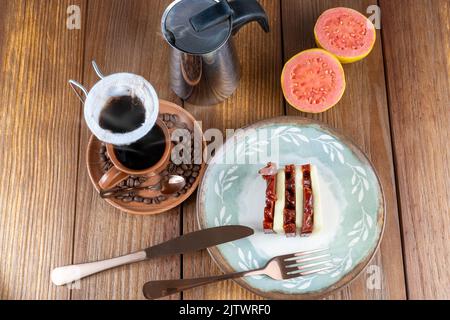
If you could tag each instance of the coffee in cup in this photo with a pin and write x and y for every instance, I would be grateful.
(144, 153)
(147, 157)
(122, 114)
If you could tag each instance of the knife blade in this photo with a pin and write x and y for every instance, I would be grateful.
(191, 242)
(199, 240)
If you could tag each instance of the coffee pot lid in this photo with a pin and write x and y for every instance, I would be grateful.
(180, 32)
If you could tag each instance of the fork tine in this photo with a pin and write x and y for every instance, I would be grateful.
(307, 273)
(310, 259)
(297, 274)
(308, 266)
(304, 254)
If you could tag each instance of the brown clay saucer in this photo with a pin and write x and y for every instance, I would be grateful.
(94, 165)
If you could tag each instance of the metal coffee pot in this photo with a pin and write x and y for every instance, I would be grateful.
(204, 68)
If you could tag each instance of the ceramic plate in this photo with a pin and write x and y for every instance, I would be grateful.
(353, 209)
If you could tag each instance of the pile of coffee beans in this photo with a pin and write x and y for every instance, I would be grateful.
(173, 121)
(190, 172)
(106, 162)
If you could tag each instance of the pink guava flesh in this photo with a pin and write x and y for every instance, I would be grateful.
(345, 32)
(313, 81)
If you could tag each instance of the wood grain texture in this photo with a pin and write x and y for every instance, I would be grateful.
(258, 97)
(51, 216)
(39, 135)
(363, 116)
(122, 36)
(417, 49)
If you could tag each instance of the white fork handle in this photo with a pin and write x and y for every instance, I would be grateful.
(69, 274)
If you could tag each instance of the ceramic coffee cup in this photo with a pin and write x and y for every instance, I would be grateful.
(120, 172)
(134, 141)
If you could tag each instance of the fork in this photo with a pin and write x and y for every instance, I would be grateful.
(285, 267)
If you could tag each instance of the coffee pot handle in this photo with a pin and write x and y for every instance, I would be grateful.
(242, 12)
(246, 11)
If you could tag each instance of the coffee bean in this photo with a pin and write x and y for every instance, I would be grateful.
(142, 179)
(127, 199)
(195, 174)
(165, 173)
(166, 117)
(119, 198)
(170, 125)
(188, 173)
(174, 118)
(191, 180)
(196, 168)
(177, 195)
(130, 183)
(172, 168)
(103, 158)
(180, 171)
(188, 186)
(136, 183)
(102, 149)
(138, 199)
(122, 184)
(156, 201)
(162, 198)
(183, 191)
(184, 167)
(148, 201)
(190, 166)
(130, 194)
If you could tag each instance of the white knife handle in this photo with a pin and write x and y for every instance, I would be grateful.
(69, 274)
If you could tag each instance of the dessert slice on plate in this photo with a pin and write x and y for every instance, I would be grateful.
(292, 200)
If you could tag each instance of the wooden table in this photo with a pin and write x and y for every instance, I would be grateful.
(396, 108)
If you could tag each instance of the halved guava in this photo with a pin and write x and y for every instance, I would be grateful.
(313, 81)
(346, 33)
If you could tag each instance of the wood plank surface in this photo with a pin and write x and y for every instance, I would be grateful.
(396, 108)
(122, 36)
(417, 48)
(39, 134)
(258, 97)
(363, 116)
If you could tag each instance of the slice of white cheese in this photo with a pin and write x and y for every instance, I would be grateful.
(299, 198)
(318, 217)
(278, 220)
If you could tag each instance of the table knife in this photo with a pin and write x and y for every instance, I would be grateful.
(191, 242)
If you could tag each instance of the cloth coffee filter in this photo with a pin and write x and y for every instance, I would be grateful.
(116, 85)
